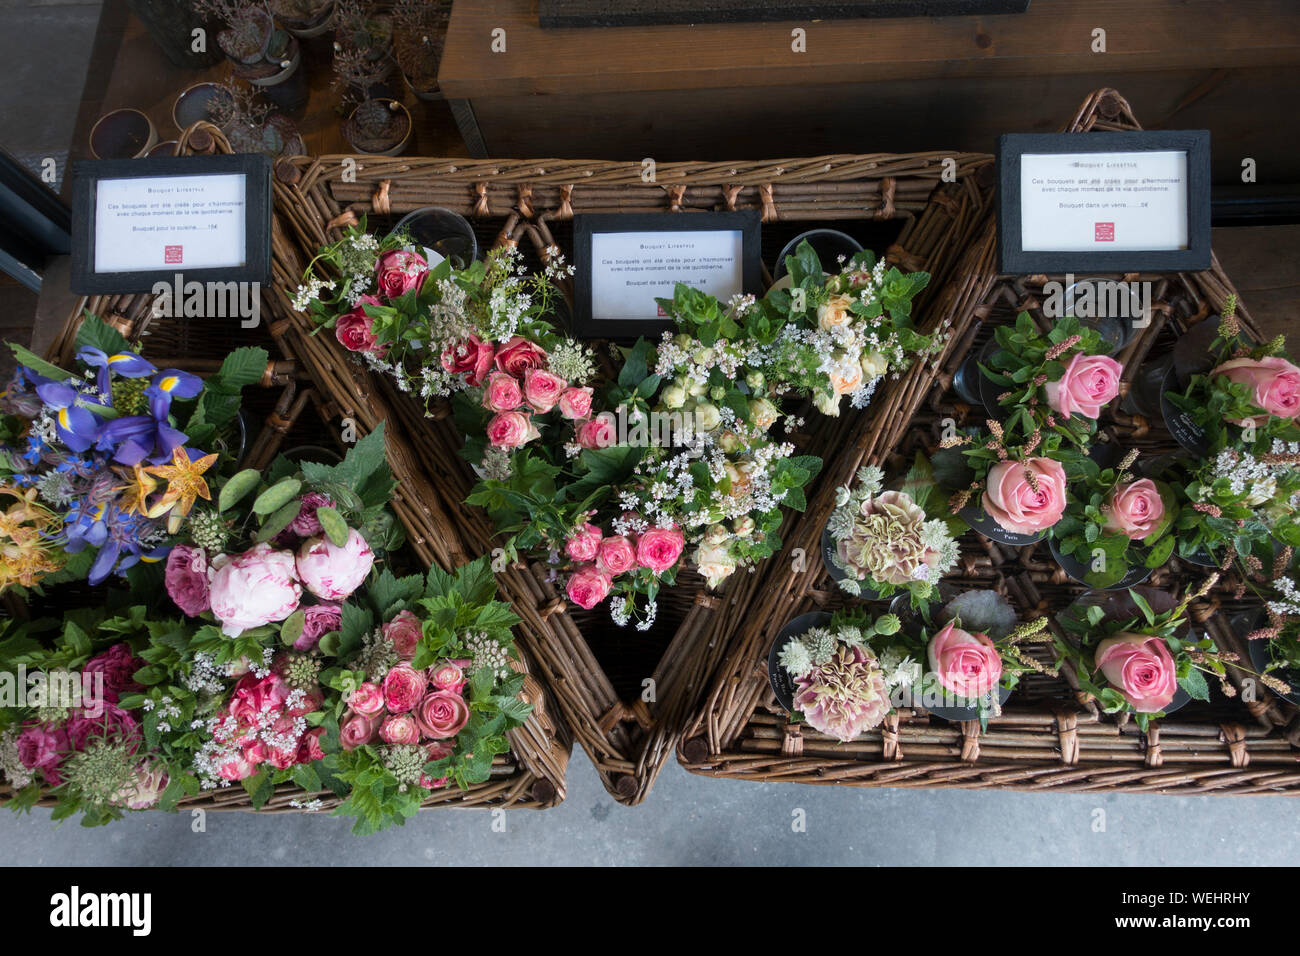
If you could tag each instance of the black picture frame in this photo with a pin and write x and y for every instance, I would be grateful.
(88, 174)
(585, 225)
(1013, 259)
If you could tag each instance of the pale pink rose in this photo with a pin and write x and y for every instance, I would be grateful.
(318, 620)
(1022, 506)
(584, 544)
(659, 548)
(354, 330)
(616, 555)
(399, 729)
(1274, 384)
(403, 688)
(1088, 383)
(405, 631)
(501, 393)
(147, 785)
(186, 579)
(518, 355)
(471, 358)
(575, 402)
(597, 432)
(1136, 509)
(511, 430)
(330, 572)
(542, 389)
(357, 731)
(965, 663)
(1141, 668)
(254, 588)
(367, 700)
(448, 676)
(442, 714)
(399, 272)
(237, 768)
(589, 586)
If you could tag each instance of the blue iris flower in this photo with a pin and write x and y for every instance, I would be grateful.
(77, 427)
(133, 438)
(126, 364)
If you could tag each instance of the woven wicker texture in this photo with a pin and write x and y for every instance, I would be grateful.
(1049, 736)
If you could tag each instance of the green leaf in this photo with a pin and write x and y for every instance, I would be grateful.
(292, 627)
(37, 364)
(1195, 685)
(336, 529)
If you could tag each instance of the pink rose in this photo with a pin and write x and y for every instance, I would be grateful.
(1141, 668)
(118, 665)
(519, 355)
(42, 747)
(186, 579)
(597, 432)
(403, 688)
(575, 402)
(307, 525)
(254, 696)
(237, 768)
(309, 747)
(659, 548)
(1136, 509)
(330, 572)
(254, 588)
(472, 358)
(399, 729)
(357, 731)
(966, 664)
(1022, 505)
(616, 555)
(1088, 383)
(113, 724)
(588, 586)
(584, 544)
(367, 700)
(448, 676)
(319, 620)
(502, 393)
(355, 329)
(147, 785)
(405, 631)
(399, 272)
(442, 714)
(542, 389)
(511, 430)
(1274, 384)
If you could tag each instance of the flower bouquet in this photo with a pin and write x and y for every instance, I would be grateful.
(100, 466)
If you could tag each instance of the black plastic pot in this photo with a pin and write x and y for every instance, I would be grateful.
(197, 103)
(1260, 659)
(1114, 331)
(1078, 572)
(959, 714)
(439, 230)
(780, 679)
(974, 516)
(829, 244)
(975, 387)
(122, 134)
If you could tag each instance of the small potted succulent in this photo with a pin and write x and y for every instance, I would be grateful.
(1116, 526)
(259, 51)
(363, 49)
(420, 29)
(304, 18)
(251, 126)
(880, 542)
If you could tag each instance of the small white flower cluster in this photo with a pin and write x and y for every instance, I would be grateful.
(1288, 603)
(488, 652)
(228, 736)
(11, 767)
(556, 268)
(310, 292)
(899, 669)
(572, 361)
(1251, 481)
(168, 710)
(206, 676)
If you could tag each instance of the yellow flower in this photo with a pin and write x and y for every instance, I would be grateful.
(138, 491)
(185, 484)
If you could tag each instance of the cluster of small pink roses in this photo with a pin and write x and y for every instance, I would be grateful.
(603, 558)
(264, 723)
(396, 273)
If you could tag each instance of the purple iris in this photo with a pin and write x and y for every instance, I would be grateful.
(133, 438)
(77, 427)
(126, 364)
(119, 536)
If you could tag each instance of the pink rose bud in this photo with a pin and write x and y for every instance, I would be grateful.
(330, 572)
(584, 544)
(616, 556)
(598, 432)
(966, 664)
(1273, 382)
(575, 402)
(589, 586)
(442, 714)
(186, 579)
(1088, 383)
(403, 688)
(511, 430)
(447, 676)
(1136, 509)
(399, 272)
(255, 588)
(405, 631)
(367, 700)
(472, 358)
(659, 548)
(399, 729)
(357, 731)
(1020, 505)
(354, 330)
(501, 393)
(542, 389)
(1141, 668)
(518, 355)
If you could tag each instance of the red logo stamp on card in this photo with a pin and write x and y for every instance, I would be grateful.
(659, 310)
(172, 255)
(1103, 232)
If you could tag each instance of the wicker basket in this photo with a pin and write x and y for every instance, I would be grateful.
(1050, 736)
(901, 203)
(532, 774)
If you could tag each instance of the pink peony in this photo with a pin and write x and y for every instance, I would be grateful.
(442, 714)
(118, 665)
(519, 355)
(330, 572)
(399, 272)
(1273, 382)
(254, 588)
(403, 688)
(1141, 668)
(357, 731)
(448, 676)
(584, 544)
(399, 729)
(1088, 383)
(355, 329)
(1025, 497)
(511, 430)
(575, 402)
(319, 620)
(616, 555)
(367, 700)
(472, 358)
(1136, 509)
(966, 664)
(597, 432)
(186, 579)
(659, 548)
(588, 586)
(307, 525)
(405, 631)
(501, 393)
(542, 389)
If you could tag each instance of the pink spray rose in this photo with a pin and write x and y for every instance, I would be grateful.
(1141, 668)
(399, 729)
(588, 586)
(405, 631)
(257, 695)
(319, 620)
(511, 430)
(575, 402)
(330, 572)
(659, 548)
(403, 688)
(542, 389)
(118, 665)
(597, 432)
(966, 664)
(1274, 384)
(472, 358)
(357, 731)
(519, 355)
(448, 676)
(1022, 505)
(583, 544)
(254, 588)
(355, 329)
(501, 393)
(442, 714)
(616, 555)
(1136, 509)
(309, 748)
(399, 272)
(186, 579)
(1088, 383)
(367, 700)
(307, 525)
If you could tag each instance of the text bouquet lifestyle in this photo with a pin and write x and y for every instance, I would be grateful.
(100, 466)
